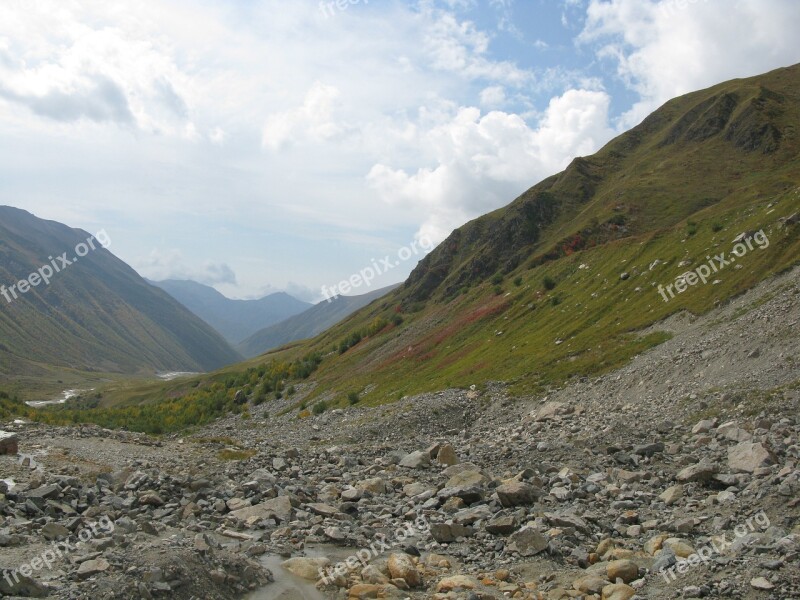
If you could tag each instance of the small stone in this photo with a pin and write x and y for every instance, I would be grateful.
(761, 583)
(92, 567)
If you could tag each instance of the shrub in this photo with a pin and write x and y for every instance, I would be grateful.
(290, 391)
(691, 228)
(397, 320)
(498, 290)
(555, 300)
(717, 227)
(353, 398)
(497, 279)
(518, 281)
(549, 283)
(320, 407)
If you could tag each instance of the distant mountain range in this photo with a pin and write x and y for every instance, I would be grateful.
(312, 322)
(234, 319)
(96, 314)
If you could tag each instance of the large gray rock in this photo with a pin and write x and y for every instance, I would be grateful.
(517, 493)
(416, 460)
(746, 457)
(8, 442)
(280, 508)
(701, 472)
(528, 541)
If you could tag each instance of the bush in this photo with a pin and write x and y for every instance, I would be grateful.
(549, 283)
(353, 398)
(397, 320)
(555, 300)
(717, 227)
(497, 279)
(618, 220)
(320, 407)
(260, 398)
(290, 391)
(498, 290)
(691, 228)
(518, 281)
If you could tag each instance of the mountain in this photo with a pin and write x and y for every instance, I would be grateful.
(566, 281)
(588, 269)
(234, 319)
(307, 324)
(96, 314)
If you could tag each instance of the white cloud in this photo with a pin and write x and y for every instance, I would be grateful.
(313, 120)
(482, 161)
(171, 264)
(493, 97)
(666, 49)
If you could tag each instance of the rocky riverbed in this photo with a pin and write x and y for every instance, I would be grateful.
(674, 477)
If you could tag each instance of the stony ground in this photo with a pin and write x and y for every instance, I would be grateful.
(675, 477)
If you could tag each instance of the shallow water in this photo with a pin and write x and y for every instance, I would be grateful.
(65, 395)
(286, 586)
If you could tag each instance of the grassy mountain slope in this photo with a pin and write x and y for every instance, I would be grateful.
(96, 315)
(653, 203)
(563, 282)
(234, 319)
(309, 323)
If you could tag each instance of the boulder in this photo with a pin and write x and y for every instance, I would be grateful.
(517, 493)
(447, 455)
(701, 472)
(280, 508)
(306, 568)
(528, 541)
(9, 443)
(416, 460)
(402, 567)
(627, 570)
(746, 457)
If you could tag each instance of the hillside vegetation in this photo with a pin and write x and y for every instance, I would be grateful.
(95, 316)
(564, 282)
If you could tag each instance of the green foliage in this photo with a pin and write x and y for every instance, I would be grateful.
(518, 281)
(497, 279)
(618, 220)
(717, 227)
(320, 407)
(691, 228)
(497, 290)
(549, 283)
(11, 406)
(555, 301)
(353, 398)
(377, 325)
(199, 406)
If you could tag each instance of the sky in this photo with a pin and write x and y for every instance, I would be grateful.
(264, 145)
